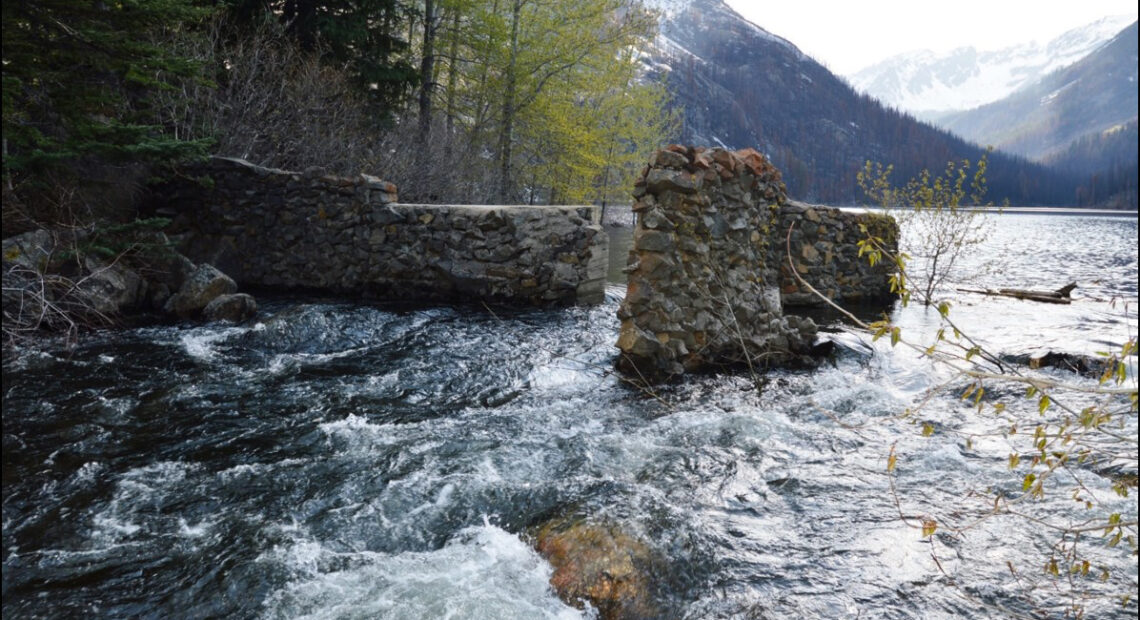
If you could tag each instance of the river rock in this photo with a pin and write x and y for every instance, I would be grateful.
(233, 308)
(601, 565)
(202, 285)
(30, 250)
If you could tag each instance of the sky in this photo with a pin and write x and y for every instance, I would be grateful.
(847, 36)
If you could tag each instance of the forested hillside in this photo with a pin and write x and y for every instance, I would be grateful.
(1093, 95)
(1107, 164)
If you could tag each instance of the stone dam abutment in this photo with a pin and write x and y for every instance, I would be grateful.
(317, 232)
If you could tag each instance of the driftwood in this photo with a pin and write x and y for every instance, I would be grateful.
(1059, 296)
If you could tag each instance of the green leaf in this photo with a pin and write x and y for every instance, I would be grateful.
(928, 527)
(1043, 404)
(1028, 481)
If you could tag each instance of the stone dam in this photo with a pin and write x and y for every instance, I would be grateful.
(318, 232)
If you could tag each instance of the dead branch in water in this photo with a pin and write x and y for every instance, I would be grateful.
(1059, 296)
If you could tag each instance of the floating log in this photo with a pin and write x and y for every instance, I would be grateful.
(1059, 296)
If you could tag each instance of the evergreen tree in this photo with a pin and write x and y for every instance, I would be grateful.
(78, 77)
(370, 37)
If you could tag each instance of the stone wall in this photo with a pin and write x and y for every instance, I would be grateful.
(701, 292)
(314, 231)
(824, 251)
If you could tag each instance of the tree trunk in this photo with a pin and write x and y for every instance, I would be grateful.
(452, 74)
(427, 70)
(507, 129)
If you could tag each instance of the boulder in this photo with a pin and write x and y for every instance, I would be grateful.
(600, 564)
(111, 288)
(234, 308)
(202, 285)
(32, 250)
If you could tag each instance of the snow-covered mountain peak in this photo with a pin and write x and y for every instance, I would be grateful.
(925, 82)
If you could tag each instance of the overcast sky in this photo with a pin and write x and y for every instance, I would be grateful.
(847, 36)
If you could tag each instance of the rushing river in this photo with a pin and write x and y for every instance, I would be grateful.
(338, 459)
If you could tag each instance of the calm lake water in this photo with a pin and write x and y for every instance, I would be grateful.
(344, 460)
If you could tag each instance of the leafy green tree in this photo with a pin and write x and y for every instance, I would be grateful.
(941, 217)
(547, 90)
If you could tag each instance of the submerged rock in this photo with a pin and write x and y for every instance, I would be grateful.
(233, 308)
(601, 565)
(1086, 365)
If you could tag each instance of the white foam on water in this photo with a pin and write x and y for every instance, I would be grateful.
(561, 373)
(87, 472)
(199, 343)
(135, 495)
(358, 433)
(109, 526)
(115, 406)
(442, 499)
(254, 469)
(194, 531)
(482, 572)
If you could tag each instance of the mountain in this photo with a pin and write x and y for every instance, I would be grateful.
(739, 85)
(928, 84)
(1092, 96)
(1108, 163)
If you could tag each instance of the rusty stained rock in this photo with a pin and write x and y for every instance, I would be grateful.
(601, 565)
